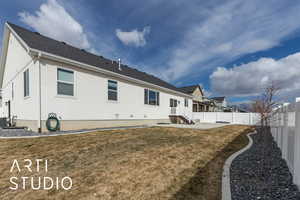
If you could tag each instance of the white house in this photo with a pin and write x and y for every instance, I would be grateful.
(39, 75)
(220, 102)
(200, 102)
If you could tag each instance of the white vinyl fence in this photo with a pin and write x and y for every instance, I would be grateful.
(285, 128)
(230, 117)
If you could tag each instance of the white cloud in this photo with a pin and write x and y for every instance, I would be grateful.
(249, 79)
(134, 37)
(207, 93)
(54, 21)
(230, 30)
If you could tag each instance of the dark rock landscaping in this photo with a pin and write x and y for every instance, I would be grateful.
(261, 173)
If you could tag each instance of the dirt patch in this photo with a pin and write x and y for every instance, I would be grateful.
(149, 163)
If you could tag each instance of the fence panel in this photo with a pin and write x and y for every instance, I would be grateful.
(233, 118)
(297, 146)
(224, 117)
(285, 128)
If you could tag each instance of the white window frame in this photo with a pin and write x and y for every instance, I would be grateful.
(111, 100)
(174, 100)
(156, 96)
(24, 93)
(68, 82)
(186, 102)
(12, 91)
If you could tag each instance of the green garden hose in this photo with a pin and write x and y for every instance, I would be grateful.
(52, 123)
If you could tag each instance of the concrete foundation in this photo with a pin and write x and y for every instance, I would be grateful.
(66, 125)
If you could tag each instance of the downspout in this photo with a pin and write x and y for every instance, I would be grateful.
(40, 95)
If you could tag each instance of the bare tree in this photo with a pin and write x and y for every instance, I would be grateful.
(265, 103)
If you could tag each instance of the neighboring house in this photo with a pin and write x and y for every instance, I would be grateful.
(220, 103)
(39, 76)
(200, 102)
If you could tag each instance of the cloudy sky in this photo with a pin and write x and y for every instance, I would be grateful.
(232, 48)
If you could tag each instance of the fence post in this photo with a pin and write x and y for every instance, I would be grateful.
(279, 142)
(297, 145)
(285, 132)
(279, 127)
(276, 126)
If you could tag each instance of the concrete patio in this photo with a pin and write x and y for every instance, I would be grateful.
(202, 126)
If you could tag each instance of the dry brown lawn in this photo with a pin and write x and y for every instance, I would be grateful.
(150, 163)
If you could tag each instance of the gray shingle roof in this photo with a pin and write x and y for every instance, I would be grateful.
(218, 98)
(42, 43)
(189, 89)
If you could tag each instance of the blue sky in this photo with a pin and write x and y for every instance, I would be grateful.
(232, 48)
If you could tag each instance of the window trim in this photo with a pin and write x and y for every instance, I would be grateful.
(157, 97)
(186, 102)
(67, 82)
(12, 91)
(174, 103)
(117, 91)
(25, 95)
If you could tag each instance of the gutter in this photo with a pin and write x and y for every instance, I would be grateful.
(40, 94)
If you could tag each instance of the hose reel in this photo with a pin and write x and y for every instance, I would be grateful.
(52, 122)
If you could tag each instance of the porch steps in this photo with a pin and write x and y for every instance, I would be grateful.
(180, 119)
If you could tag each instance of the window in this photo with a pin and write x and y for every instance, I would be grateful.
(146, 98)
(186, 102)
(65, 82)
(112, 90)
(26, 83)
(151, 97)
(12, 91)
(173, 103)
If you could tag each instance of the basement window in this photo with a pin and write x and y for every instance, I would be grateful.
(26, 83)
(65, 82)
(112, 91)
(151, 97)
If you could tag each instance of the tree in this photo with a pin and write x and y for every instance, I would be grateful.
(265, 103)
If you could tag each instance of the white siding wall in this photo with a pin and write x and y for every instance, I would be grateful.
(17, 62)
(90, 100)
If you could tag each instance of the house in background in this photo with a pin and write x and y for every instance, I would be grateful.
(200, 102)
(221, 103)
(40, 76)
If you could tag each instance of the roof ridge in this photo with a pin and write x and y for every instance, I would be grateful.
(55, 47)
(49, 38)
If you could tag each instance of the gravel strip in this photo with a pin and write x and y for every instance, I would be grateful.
(253, 177)
(226, 189)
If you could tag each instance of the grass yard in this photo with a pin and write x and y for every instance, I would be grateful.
(150, 163)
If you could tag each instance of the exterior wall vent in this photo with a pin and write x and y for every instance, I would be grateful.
(119, 63)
